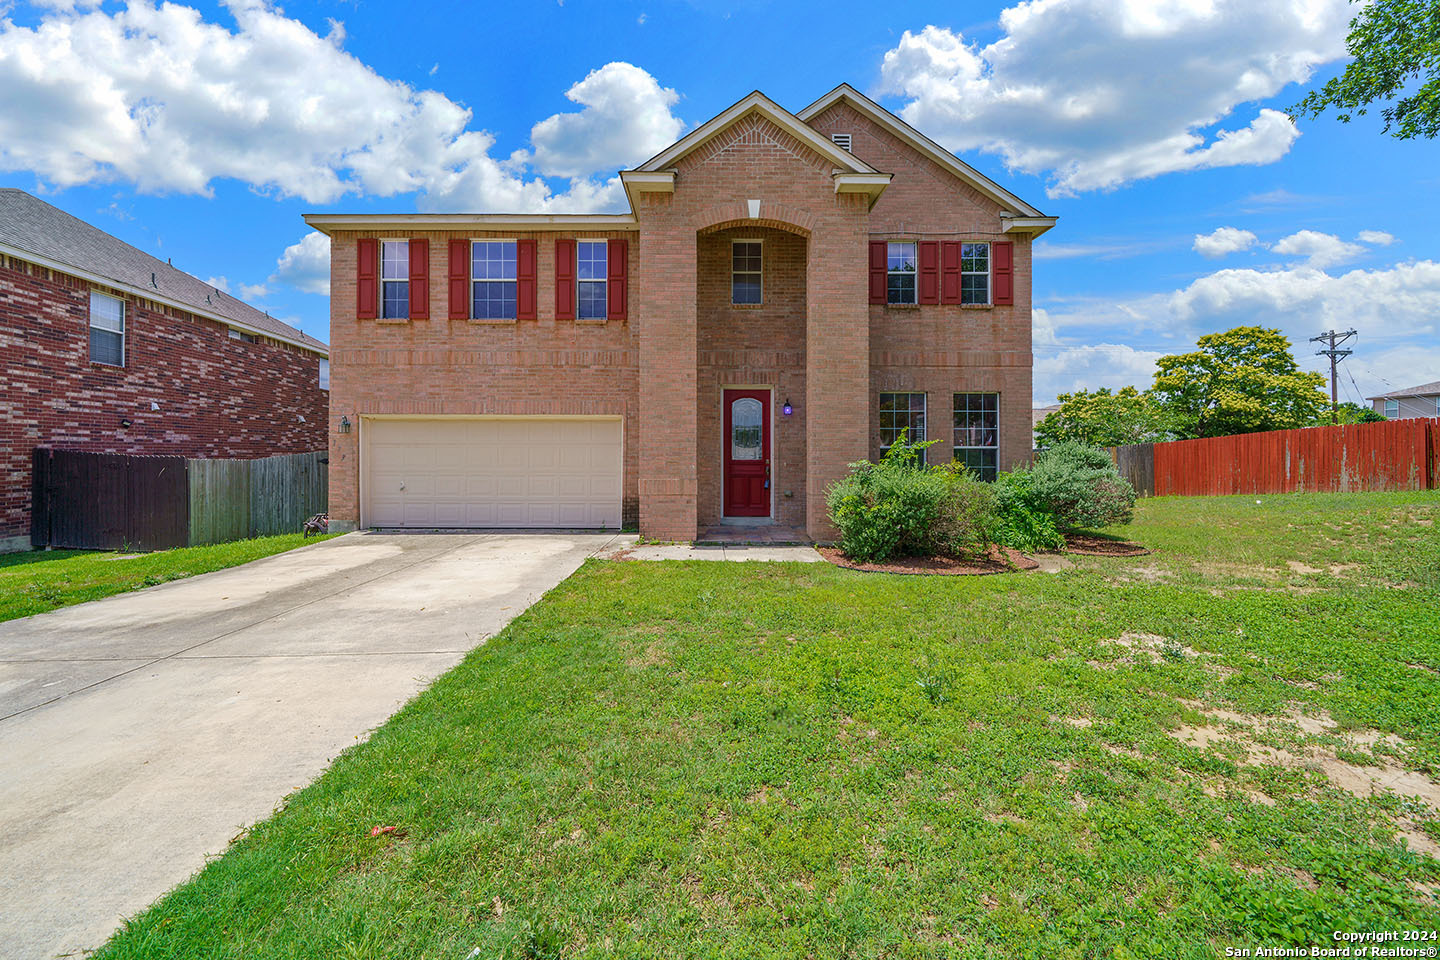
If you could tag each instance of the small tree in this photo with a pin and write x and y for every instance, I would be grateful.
(1242, 381)
(1104, 419)
(1394, 43)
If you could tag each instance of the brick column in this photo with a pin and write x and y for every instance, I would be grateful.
(666, 333)
(837, 355)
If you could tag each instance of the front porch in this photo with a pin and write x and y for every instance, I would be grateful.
(752, 534)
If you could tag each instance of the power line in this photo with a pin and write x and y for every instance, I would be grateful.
(1336, 354)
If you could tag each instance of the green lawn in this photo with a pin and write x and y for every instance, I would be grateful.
(754, 760)
(43, 580)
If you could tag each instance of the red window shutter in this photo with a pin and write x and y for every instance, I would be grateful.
(617, 253)
(525, 279)
(366, 261)
(459, 279)
(929, 271)
(564, 279)
(877, 271)
(950, 272)
(1002, 273)
(419, 279)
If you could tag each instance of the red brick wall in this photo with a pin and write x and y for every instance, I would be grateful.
(218, 397)
(467, 367)
(941, 350)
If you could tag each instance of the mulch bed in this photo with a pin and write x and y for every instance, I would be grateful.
(1000, 560)
(1087, 546)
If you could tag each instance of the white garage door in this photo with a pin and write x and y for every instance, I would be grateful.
(492, 473)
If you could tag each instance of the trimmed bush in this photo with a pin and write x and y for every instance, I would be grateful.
(1080, 487)
(900, 507)
(1021, 520)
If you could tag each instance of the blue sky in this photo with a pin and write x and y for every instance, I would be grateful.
(1187, 202)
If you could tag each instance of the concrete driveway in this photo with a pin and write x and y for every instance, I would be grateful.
(139, 733)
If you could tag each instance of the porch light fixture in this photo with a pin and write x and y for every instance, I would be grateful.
(787, 409)
(344, 424)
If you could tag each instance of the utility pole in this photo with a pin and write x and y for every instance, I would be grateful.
(1336, 354)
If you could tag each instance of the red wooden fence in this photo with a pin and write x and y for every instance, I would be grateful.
(1395, 455)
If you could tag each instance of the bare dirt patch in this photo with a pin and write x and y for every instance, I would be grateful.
(1304, 569)
(999, 560)
(1144, 648)
(1091, 546)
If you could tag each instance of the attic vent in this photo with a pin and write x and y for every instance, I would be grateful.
(842, 140)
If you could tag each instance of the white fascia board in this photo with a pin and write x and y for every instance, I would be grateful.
(1034, 226)
(871, 184)
(326, 223)
(920, 142)
(772, 111)
(648, 181)
(146, 293)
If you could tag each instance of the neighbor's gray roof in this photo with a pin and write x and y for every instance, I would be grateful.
(31, 225)
(1424, 390)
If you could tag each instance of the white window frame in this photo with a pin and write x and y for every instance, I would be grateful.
(958, 447)
(91, 325)
(924, 412)
(324, 380)
(513, 281)
(385, 278)
(1392, 409)
(604, 281)
(757, 274)
(987, 273)
(913, 273)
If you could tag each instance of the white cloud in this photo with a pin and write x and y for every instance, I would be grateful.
(1098, 93)
(306, 265)
(242, 291)
(1223, 241)
(1319, 249)
(172, 102)
(1377, 238)
(626, 118)
(1089, 366)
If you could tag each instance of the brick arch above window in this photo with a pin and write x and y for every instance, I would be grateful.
(736, 213)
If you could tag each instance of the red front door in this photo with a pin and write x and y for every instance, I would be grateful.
(747, 453)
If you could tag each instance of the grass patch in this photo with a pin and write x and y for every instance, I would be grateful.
(44, 580)
(789, 760)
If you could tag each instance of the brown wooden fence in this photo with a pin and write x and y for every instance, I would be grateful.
(109, 501)
(1394, 455)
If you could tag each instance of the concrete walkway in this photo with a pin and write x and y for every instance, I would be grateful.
(139, 733)
(714, 551)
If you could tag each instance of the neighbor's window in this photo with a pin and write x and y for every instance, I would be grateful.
(590, 271)
(324, 374)
(107, 329)
(900, 270)
(745, 275)
(1392, 409)
(974, 273)
(492, 287)
(901, 411)
(395, 279)
(977, 432)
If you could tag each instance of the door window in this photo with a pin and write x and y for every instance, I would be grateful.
(746, 430)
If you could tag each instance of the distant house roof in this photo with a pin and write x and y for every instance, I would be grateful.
(1424, 390)
(1040, 413)
(32, 229)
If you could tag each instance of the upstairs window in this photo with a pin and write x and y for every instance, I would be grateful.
(1392, 409)
(590, 259)
(395, 279)
(107, 329)
(324, 374)
(900, 271)
(977, 432)
(901, 412)
(492, 272)
(974, 273)
(745, 272)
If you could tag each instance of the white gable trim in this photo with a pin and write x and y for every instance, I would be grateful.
(924, 144)
(756, 102)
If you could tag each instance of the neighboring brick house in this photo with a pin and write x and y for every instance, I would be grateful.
(1407, 404)
(787, 292)
(107, 349)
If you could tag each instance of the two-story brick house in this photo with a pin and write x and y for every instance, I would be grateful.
(787, 292)
(107, 349)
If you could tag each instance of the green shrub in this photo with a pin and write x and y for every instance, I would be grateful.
(1080, 487)
(1021, 520)
(900, 507)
